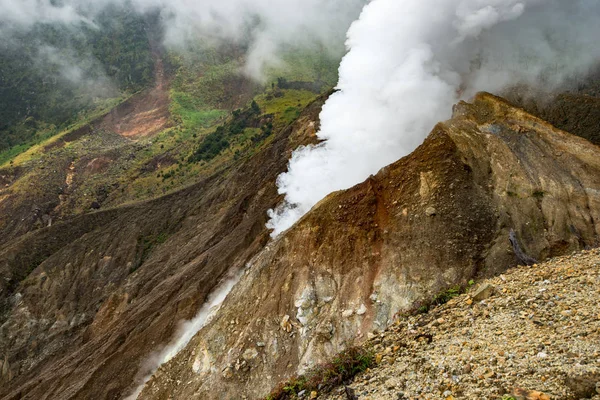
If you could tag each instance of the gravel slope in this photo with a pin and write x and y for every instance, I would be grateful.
(537, 336)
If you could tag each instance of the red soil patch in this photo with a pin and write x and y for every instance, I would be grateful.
(144, 114)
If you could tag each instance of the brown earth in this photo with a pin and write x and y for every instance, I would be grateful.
(145, 114)
(432, 220)
(532, 333)
(85, 301)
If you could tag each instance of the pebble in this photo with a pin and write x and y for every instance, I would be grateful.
(506, 334)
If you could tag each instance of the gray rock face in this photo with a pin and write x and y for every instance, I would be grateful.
(490, 169)
(517, 344)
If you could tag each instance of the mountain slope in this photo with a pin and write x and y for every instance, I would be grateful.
(534, 335)
(432, 220)
(87, 300)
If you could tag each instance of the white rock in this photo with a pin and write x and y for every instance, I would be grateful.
(361, 310)
(250, 354)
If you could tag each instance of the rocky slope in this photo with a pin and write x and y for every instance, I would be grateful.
(531, 333)
(432, 220)
(85, 301)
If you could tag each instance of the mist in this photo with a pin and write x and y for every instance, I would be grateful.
(186, 331)
(409, 61)
(264, 27)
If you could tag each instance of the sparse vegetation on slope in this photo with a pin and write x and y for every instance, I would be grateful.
(343, 368)
(531, 333)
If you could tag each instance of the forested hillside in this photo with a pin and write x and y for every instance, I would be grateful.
(51, 73)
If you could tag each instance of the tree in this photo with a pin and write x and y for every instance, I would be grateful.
(255, 107)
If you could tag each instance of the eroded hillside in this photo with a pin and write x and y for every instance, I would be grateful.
(85, 301)
(88, 297)
(432, 220)
(531, 333)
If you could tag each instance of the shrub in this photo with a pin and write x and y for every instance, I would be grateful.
(324, 378)
(214, 143)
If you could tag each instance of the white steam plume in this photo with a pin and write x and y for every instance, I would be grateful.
(187, 331)
(409, 61)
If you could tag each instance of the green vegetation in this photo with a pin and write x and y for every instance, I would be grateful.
(145, 246)
(197, 92)
(49, 74)
(538, 194)
(307, 65)
(284, 105)
(445, 296)
(191, 116)
(218, 116)
(214, 143)
(324, 378)
(46, 134)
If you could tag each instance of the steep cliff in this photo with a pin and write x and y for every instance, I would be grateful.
(432, 220)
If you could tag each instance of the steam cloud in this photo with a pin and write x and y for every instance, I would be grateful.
(409, 61)
(187, 330)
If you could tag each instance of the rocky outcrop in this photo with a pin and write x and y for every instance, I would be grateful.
(535, 337)
(432, 220)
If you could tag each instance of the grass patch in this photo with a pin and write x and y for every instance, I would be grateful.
(304, 65)
(145, 246)
(538, 194)
(445, 296)
(241, 120)
(191, 113)
(285, 105)
(49, 134)
(326, 377)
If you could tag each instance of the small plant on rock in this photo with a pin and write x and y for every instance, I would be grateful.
(324, 378)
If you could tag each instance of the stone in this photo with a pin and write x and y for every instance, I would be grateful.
(325, 330)
(584, 385)
(286, 325)
(313, 395)
(361, 310)
(347, 313)
(484, 291)
(430, 211)
(250, 354)
(227, 373)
